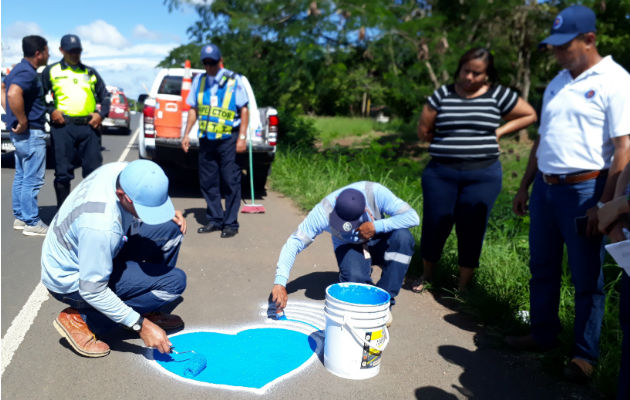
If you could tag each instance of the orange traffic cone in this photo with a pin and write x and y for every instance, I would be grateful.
(186, 85)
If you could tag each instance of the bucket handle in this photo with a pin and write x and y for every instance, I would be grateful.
(361, 339)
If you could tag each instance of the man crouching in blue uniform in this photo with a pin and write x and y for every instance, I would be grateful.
(361, 236)
(110, 254)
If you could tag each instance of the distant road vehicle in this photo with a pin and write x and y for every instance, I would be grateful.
(118, 117)
(164, 121)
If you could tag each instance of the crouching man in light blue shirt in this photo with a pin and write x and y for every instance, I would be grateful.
(361, 236)
(110, 254)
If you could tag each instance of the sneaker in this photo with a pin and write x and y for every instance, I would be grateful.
(71, 326)
(38, 229)
(164, 321)
(18, 224)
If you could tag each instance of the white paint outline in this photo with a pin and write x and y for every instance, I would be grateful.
(282, 324)
(22, 322)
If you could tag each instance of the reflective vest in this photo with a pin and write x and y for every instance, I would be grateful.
(73, 90)
(216, 113)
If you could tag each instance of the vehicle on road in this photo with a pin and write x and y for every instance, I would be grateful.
(164, 121)
(118, 117)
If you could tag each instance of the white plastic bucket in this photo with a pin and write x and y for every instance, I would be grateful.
(356, 331)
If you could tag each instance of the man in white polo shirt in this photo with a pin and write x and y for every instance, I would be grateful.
(574, 165)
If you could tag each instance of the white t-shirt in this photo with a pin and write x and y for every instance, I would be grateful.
(580, 117)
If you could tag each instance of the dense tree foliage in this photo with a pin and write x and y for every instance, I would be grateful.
(349, 56)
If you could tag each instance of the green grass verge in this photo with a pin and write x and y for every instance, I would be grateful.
(501, 286)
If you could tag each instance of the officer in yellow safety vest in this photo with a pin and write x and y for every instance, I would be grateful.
(218, 103)
(76, 90)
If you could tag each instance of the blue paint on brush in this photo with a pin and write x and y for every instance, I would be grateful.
(358, 294)
(252, 358)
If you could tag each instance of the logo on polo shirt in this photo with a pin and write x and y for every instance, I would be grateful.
(557, 23)
(589, 94)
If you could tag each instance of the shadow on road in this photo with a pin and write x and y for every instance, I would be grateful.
(433, 393)
(314, 284)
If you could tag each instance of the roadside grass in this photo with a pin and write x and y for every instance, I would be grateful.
(501, 286)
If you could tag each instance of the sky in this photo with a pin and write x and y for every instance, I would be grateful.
(123, 39)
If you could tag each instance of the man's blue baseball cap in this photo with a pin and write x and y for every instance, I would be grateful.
(210, 51)
(71, 42)
(147, 186)
(571, 21)
(349, 207)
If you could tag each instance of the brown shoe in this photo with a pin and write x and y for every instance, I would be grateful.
(578, 370)
(71, 326)
(164, 321)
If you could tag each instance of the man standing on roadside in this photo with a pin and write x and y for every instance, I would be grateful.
(26, 119)
(583, 146)
(219, 100)
(76, 90)
(110, 254)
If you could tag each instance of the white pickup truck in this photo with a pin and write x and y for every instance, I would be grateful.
(163, 124)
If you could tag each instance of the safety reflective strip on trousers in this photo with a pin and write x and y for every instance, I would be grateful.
(216, 122)
(73, 90)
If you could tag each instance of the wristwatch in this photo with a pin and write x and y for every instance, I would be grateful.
(137, 326)
(242, 137)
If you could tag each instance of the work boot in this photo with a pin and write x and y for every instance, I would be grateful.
(164, 320)
(71, 326)
(62, 190)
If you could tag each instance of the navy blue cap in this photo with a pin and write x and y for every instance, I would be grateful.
(349, 207)
(210, 51)
(70, 42)
(571, 22)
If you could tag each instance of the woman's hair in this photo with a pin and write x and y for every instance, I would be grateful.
(483, 54)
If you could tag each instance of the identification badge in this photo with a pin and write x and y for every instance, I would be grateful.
(214, 101)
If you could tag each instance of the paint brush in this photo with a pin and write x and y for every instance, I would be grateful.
(194, 364)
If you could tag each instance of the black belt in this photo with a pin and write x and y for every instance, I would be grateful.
(77, 120)
(572, 178)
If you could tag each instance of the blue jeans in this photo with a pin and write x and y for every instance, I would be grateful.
(144, 275)
(461, 197)
(553, 209)
(392, 251)
(30, 166)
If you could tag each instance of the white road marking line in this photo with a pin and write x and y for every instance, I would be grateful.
(25, 318)
(21, 324)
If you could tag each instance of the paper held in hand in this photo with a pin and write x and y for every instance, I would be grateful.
(620, 251)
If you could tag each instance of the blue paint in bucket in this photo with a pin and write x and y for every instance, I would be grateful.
(251, 358)
(358, 294)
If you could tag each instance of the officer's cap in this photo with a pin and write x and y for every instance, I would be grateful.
(71, 42)
(210, 51)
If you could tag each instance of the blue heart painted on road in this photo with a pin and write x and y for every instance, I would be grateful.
(251, 358)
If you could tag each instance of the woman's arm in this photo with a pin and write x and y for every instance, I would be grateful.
(426, 126)
(521, 116)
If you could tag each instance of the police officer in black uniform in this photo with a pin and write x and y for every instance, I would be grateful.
(76, 89)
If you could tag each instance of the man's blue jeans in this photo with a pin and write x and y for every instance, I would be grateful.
(144, 275)
(30, 166)
(553, 209)
(392, 251)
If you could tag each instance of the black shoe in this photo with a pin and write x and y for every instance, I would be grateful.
(209, 228)
(228, 232)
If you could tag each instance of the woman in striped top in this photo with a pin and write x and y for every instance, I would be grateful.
(462, 122)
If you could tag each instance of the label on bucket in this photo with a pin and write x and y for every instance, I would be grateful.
(372, 357)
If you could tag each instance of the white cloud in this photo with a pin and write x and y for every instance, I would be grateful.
(12, 40)
(100, 32)
(19, 29)
(141, 32)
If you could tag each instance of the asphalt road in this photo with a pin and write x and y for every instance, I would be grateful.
(435, 352)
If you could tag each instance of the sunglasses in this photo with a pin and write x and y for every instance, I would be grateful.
(210, 63)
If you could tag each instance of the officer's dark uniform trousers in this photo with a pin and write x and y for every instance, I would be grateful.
(217, 163)
(75, 138)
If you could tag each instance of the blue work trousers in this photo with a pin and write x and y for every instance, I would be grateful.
(392, 251)
(30, 167)
(71, 141)
(460, 197)
(144, 275)
(553, 209)
(217, 163)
